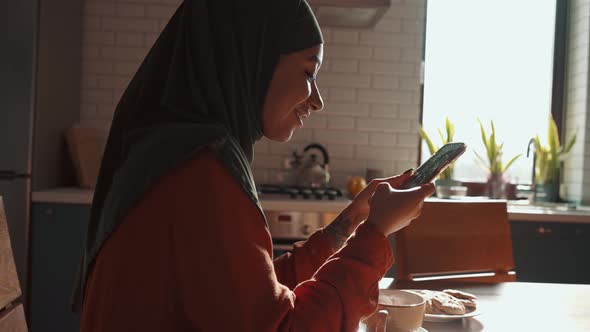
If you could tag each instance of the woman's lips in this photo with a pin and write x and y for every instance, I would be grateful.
(302, 114)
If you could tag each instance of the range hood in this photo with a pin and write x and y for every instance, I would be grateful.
(349, 13)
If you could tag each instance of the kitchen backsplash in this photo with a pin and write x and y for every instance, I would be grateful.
(369, 81)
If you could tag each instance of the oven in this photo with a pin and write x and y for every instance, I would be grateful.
(294, 212)
(288, 227)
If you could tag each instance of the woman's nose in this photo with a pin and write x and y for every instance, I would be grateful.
(315, 100)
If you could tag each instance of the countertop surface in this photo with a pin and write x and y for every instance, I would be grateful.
(515, 306)
(517, 211)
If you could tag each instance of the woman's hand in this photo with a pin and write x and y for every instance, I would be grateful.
(360, 204)
(393, 209)
(358, 210)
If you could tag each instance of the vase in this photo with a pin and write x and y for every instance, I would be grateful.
(449, 188)
(496, 186)
(547, 192)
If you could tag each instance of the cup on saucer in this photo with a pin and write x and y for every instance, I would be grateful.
(405, 310)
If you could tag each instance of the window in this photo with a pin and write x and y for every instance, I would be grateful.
(492, 60)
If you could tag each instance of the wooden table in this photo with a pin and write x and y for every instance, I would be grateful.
(518, 306)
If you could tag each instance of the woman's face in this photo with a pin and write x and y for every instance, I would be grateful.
(293, 93)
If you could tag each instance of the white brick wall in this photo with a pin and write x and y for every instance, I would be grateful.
(577, 167)
(369, 82)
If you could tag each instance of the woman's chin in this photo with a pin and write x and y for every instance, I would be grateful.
(285, 132)
(283, 136)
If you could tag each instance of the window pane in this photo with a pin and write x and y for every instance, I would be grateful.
(493, 60)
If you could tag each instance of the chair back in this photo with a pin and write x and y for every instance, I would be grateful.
(453, 238)
(12, 318)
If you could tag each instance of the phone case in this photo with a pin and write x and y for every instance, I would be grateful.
(437, 163)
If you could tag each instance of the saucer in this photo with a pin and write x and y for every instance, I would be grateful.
(420, 329)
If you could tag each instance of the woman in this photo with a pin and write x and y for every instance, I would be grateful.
(177, 239)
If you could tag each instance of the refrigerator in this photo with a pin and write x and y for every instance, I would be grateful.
(18, 35)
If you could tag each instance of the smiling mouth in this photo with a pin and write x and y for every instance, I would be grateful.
(303, 114)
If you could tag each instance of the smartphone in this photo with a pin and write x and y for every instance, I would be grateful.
(437, 163)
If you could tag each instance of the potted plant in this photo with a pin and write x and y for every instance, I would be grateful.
(496, 183)
(548, 163)
(446, 177)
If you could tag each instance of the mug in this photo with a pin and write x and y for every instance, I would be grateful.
(405, 310)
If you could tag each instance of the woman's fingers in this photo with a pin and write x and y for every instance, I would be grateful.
(397, 180)
(427, 189)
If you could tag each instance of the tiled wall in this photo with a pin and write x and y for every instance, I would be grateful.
(577, 167)
(369, 81)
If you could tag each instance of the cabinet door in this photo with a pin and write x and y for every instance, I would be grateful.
(58, 233)
(544, 252)
(582, 253)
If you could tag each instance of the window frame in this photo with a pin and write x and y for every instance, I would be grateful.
(558, 100)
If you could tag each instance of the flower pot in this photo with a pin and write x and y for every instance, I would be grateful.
(547, 192)
(448, 187)
(447, 183)
(496, 186)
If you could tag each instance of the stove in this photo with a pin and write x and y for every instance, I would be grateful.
(296, 192)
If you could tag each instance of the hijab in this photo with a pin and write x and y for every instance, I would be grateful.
(202, 84)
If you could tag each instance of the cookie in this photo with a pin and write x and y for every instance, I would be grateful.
(448, 304)
(469, 304)
(428, 307)
(459, 294)
(435, 311)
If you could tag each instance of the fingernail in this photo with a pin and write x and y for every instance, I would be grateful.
(408, 171)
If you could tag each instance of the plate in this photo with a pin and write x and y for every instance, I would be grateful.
(362, 328)
(448, 318)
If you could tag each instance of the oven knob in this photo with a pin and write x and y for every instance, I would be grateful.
(305, 230)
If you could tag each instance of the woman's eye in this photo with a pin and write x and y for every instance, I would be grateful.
(310, 77)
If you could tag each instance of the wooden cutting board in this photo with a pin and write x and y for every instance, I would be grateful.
(13, 319)
(83, 145)
(9, 286)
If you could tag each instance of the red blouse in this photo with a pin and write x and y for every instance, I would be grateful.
(195, 255)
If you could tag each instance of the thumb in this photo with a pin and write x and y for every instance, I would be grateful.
(398, 180)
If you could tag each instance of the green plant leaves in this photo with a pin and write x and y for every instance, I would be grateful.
(570, 143)
(549, 157)
(510, 162)
(428, 141)
(450, 132)
(493, 151)
(450, 128)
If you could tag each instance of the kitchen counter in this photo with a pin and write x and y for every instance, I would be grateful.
(516, 211)
(63, 195)
(84, 196)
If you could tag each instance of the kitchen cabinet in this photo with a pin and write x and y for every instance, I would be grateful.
(57, 236)
(551, 251)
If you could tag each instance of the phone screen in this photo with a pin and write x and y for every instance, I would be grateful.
(437, 163)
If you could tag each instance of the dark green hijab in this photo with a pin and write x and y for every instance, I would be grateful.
(202, 84)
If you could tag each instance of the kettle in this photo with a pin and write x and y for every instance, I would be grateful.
(313, 173)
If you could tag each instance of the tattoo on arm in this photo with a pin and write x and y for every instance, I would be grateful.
(339, 230)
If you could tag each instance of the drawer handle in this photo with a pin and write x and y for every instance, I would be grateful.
(544, 230)
(305, 229)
